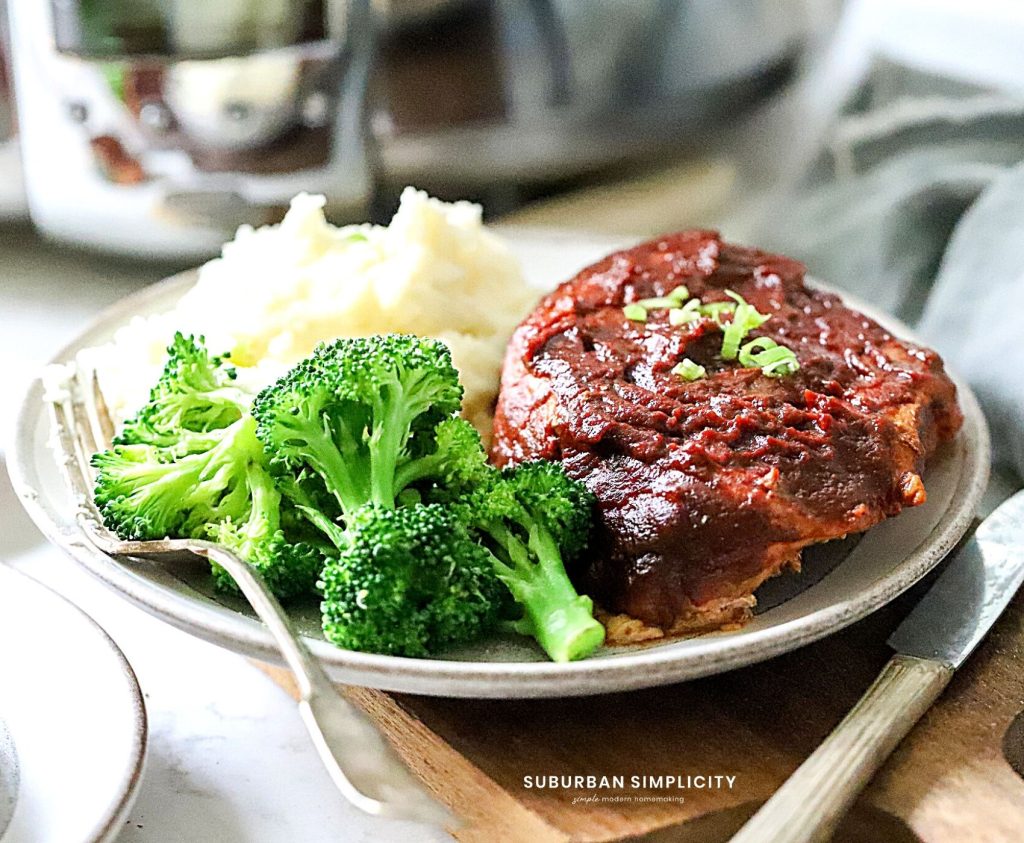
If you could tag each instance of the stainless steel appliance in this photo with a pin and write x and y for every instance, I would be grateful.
(154, 127)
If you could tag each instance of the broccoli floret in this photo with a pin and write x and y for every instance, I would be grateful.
(362, 415)
(457, 462)
(289, 568)
(195, 394)
(147, 492)
(347, 446)
(532, 519)
(408, 582)
(224, 493)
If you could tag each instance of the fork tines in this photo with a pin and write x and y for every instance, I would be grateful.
(83, 426)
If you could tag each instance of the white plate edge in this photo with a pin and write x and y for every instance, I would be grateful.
(247, 636)
(109, 825)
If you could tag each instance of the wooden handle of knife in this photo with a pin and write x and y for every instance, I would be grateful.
(809, 806)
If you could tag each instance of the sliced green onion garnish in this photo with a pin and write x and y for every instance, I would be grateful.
(635, 312)
(688, 370)
(673, 299)
(750, 316)
(772, 359)
(748, 355)
(689, 312)
(732, 335)
(653, 304)
(356, 237)
(785, 366)
(744, 320)
(715, 309)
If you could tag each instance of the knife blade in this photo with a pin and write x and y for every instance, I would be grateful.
(952, 618)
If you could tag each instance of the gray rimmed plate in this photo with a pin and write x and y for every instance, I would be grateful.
(73, 739)
(842, 581)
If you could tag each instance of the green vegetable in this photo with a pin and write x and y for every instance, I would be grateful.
(189, 465)
(289, 567)
(533, 519)
(223, 493)
(673, 299)
(744, 319)
(145, 492)
(324, 485)
(688, 370)
(771, 358)
(195, 393)
(774, 360)
(716, 310)
(408, 582)
(361, 416)
(356, 432)
(458, 459)
(689, 312)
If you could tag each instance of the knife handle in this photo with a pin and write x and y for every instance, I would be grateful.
(810, 804)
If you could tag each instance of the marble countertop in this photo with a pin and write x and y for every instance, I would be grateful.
(228, 757)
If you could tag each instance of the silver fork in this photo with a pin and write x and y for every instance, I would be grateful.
(363, 765)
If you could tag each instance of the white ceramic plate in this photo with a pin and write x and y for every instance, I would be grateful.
(73, 732)
(842, 581)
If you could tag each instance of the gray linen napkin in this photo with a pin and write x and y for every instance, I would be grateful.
(916, 204)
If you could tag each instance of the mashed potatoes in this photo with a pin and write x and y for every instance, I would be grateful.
(278, 291)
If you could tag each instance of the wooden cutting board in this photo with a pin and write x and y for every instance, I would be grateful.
(952, 780)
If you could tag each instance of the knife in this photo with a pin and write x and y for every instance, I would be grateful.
(931, 643)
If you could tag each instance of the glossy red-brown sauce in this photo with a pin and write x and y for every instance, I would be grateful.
(702, 485)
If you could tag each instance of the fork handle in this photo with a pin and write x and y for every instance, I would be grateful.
(363, 765)
(811, 803)
(309, 675)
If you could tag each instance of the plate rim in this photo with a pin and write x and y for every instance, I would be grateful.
(654, 665)
(109, 825)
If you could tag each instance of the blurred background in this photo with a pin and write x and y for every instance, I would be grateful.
(877, 140)
(170, 122)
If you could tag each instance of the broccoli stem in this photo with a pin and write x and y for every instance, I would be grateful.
(189, 442)
(304, 504)
(395, 410)
(219, 487)
(197, 411)
(390, 431)
(415, 470)
(559, 618)
(158, 490)
(337, 472)
(266, 500)
(224, 398)
(337, 534)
